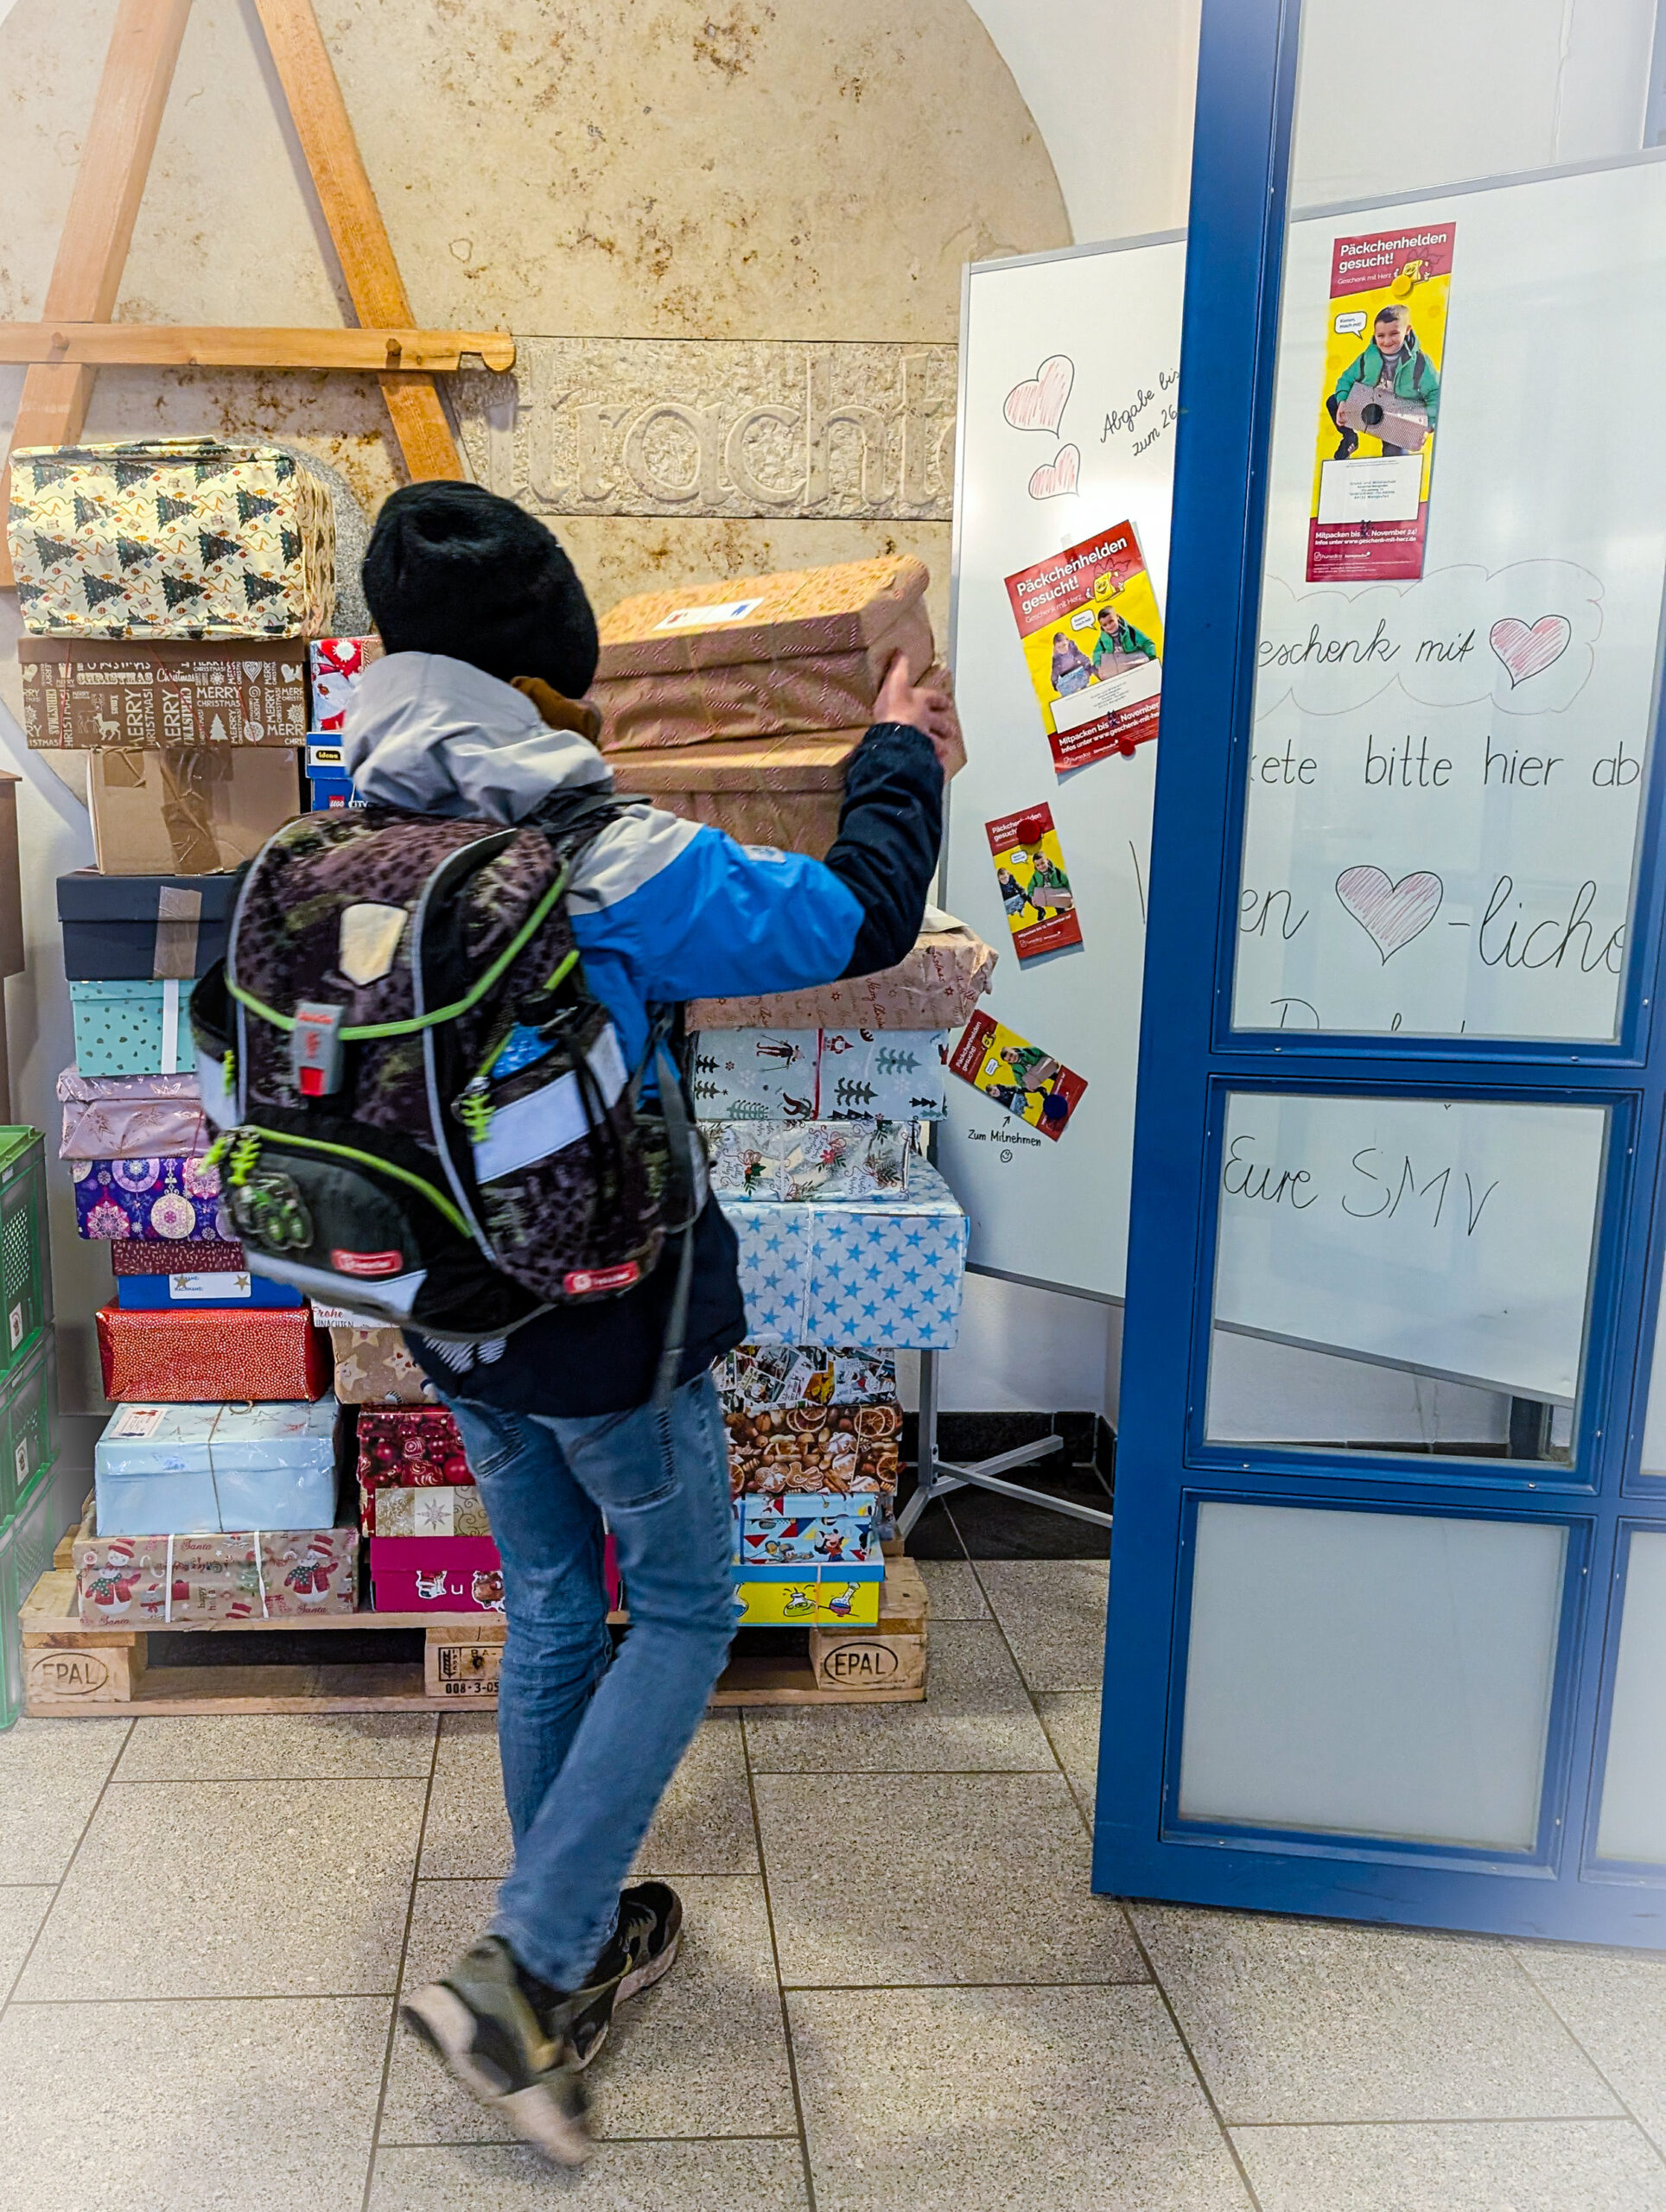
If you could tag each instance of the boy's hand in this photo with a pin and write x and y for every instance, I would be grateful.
(925, 706)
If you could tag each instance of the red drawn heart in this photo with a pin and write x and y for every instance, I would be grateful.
(1038, 404)
(1526, 649)
(1056, 475)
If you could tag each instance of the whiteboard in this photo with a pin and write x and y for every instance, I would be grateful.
(1455, 1238)
(1446, 773)
(1049, 1212)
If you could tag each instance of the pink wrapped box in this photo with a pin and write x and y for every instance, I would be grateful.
(131, 1117)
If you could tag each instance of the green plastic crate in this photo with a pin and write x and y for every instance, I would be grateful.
(28, 1427)
(26, 1549)
(25, 1300)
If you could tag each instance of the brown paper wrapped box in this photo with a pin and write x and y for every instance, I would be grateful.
(186, 810)
(771, 791)
(936, 987)
(87, 692)
(803, 651)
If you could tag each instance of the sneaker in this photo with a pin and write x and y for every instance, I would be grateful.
(640, 1951)
(484, 2023)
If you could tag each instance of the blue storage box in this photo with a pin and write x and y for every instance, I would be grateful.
(132, 1028)
(185, 1470)
(151, 1294)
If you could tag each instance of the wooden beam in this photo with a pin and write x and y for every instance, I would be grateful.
(166, 345)
(103, 206)
(362, 245)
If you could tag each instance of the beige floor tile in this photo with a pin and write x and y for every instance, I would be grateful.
(22, 1911)
(952, 1587)
(702, 2053)
(703, 1824)
(1309, 2020)
(935, 1878)
(264, 2106)
(1005, 2100)
(278, 1747)
(233, 1889)
(51, 1772)
(1053, 1612)
(1615, 2005)
(620, 2178)
(977, 1717)
(1071, 1720)
(1521, 2165)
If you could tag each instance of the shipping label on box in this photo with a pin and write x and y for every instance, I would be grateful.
(86, 693)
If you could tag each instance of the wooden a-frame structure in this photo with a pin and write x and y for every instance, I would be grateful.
(75, 335)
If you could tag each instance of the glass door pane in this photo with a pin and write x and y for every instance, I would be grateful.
(1460, 609)
(1450, 1240)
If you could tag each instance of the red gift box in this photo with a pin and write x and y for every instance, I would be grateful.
(150, 1256)
(409, 1448)
(449, 1574)
(231, 1353)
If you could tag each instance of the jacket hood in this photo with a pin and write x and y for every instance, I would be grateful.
(439, 736)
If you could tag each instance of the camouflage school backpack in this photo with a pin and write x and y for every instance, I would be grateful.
(424, 1113)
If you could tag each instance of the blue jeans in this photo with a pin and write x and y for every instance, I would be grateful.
(590, 1741)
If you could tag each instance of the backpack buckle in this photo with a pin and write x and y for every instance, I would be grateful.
(315, 1049)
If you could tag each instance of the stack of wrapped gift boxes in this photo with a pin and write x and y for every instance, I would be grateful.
(169, 590)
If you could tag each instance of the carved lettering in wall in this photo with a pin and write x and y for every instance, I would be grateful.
(647, 426)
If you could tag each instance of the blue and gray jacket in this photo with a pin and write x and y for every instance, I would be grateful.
(663, 911)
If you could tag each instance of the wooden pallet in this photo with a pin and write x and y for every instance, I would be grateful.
(69, 1669)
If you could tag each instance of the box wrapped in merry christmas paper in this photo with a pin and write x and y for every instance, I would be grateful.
(207, 1581)
(374, 1368)
(179, 1356)
(164, 1468)
(760, 657)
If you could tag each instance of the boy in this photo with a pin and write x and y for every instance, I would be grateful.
(470, 594)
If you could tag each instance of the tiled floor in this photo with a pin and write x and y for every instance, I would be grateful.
(897, 1994)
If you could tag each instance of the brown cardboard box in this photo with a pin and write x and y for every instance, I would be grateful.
(87, 692)
(936, 987)
(770, 790)
(853, 607)
(186, 811)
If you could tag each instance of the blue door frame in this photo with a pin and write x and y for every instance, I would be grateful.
(1189, 1059)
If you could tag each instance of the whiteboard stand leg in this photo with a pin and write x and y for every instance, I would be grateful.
(937, 1477)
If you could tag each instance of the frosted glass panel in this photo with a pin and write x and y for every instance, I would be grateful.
(1449, 1238)
(1371, 1673)
(1632, 1823)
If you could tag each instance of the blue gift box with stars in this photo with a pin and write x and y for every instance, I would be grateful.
(886, 1273)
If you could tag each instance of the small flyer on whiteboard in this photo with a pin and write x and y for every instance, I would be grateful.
(1017, 1075)
(1093, 642)
(1385, 341)
(1029, 874)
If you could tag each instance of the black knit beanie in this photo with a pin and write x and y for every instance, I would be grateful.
(452, 569)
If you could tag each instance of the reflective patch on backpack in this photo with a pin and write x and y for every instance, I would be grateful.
(369, 942)
(546, 1122)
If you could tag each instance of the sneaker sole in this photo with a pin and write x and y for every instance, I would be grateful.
(438, 2018)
